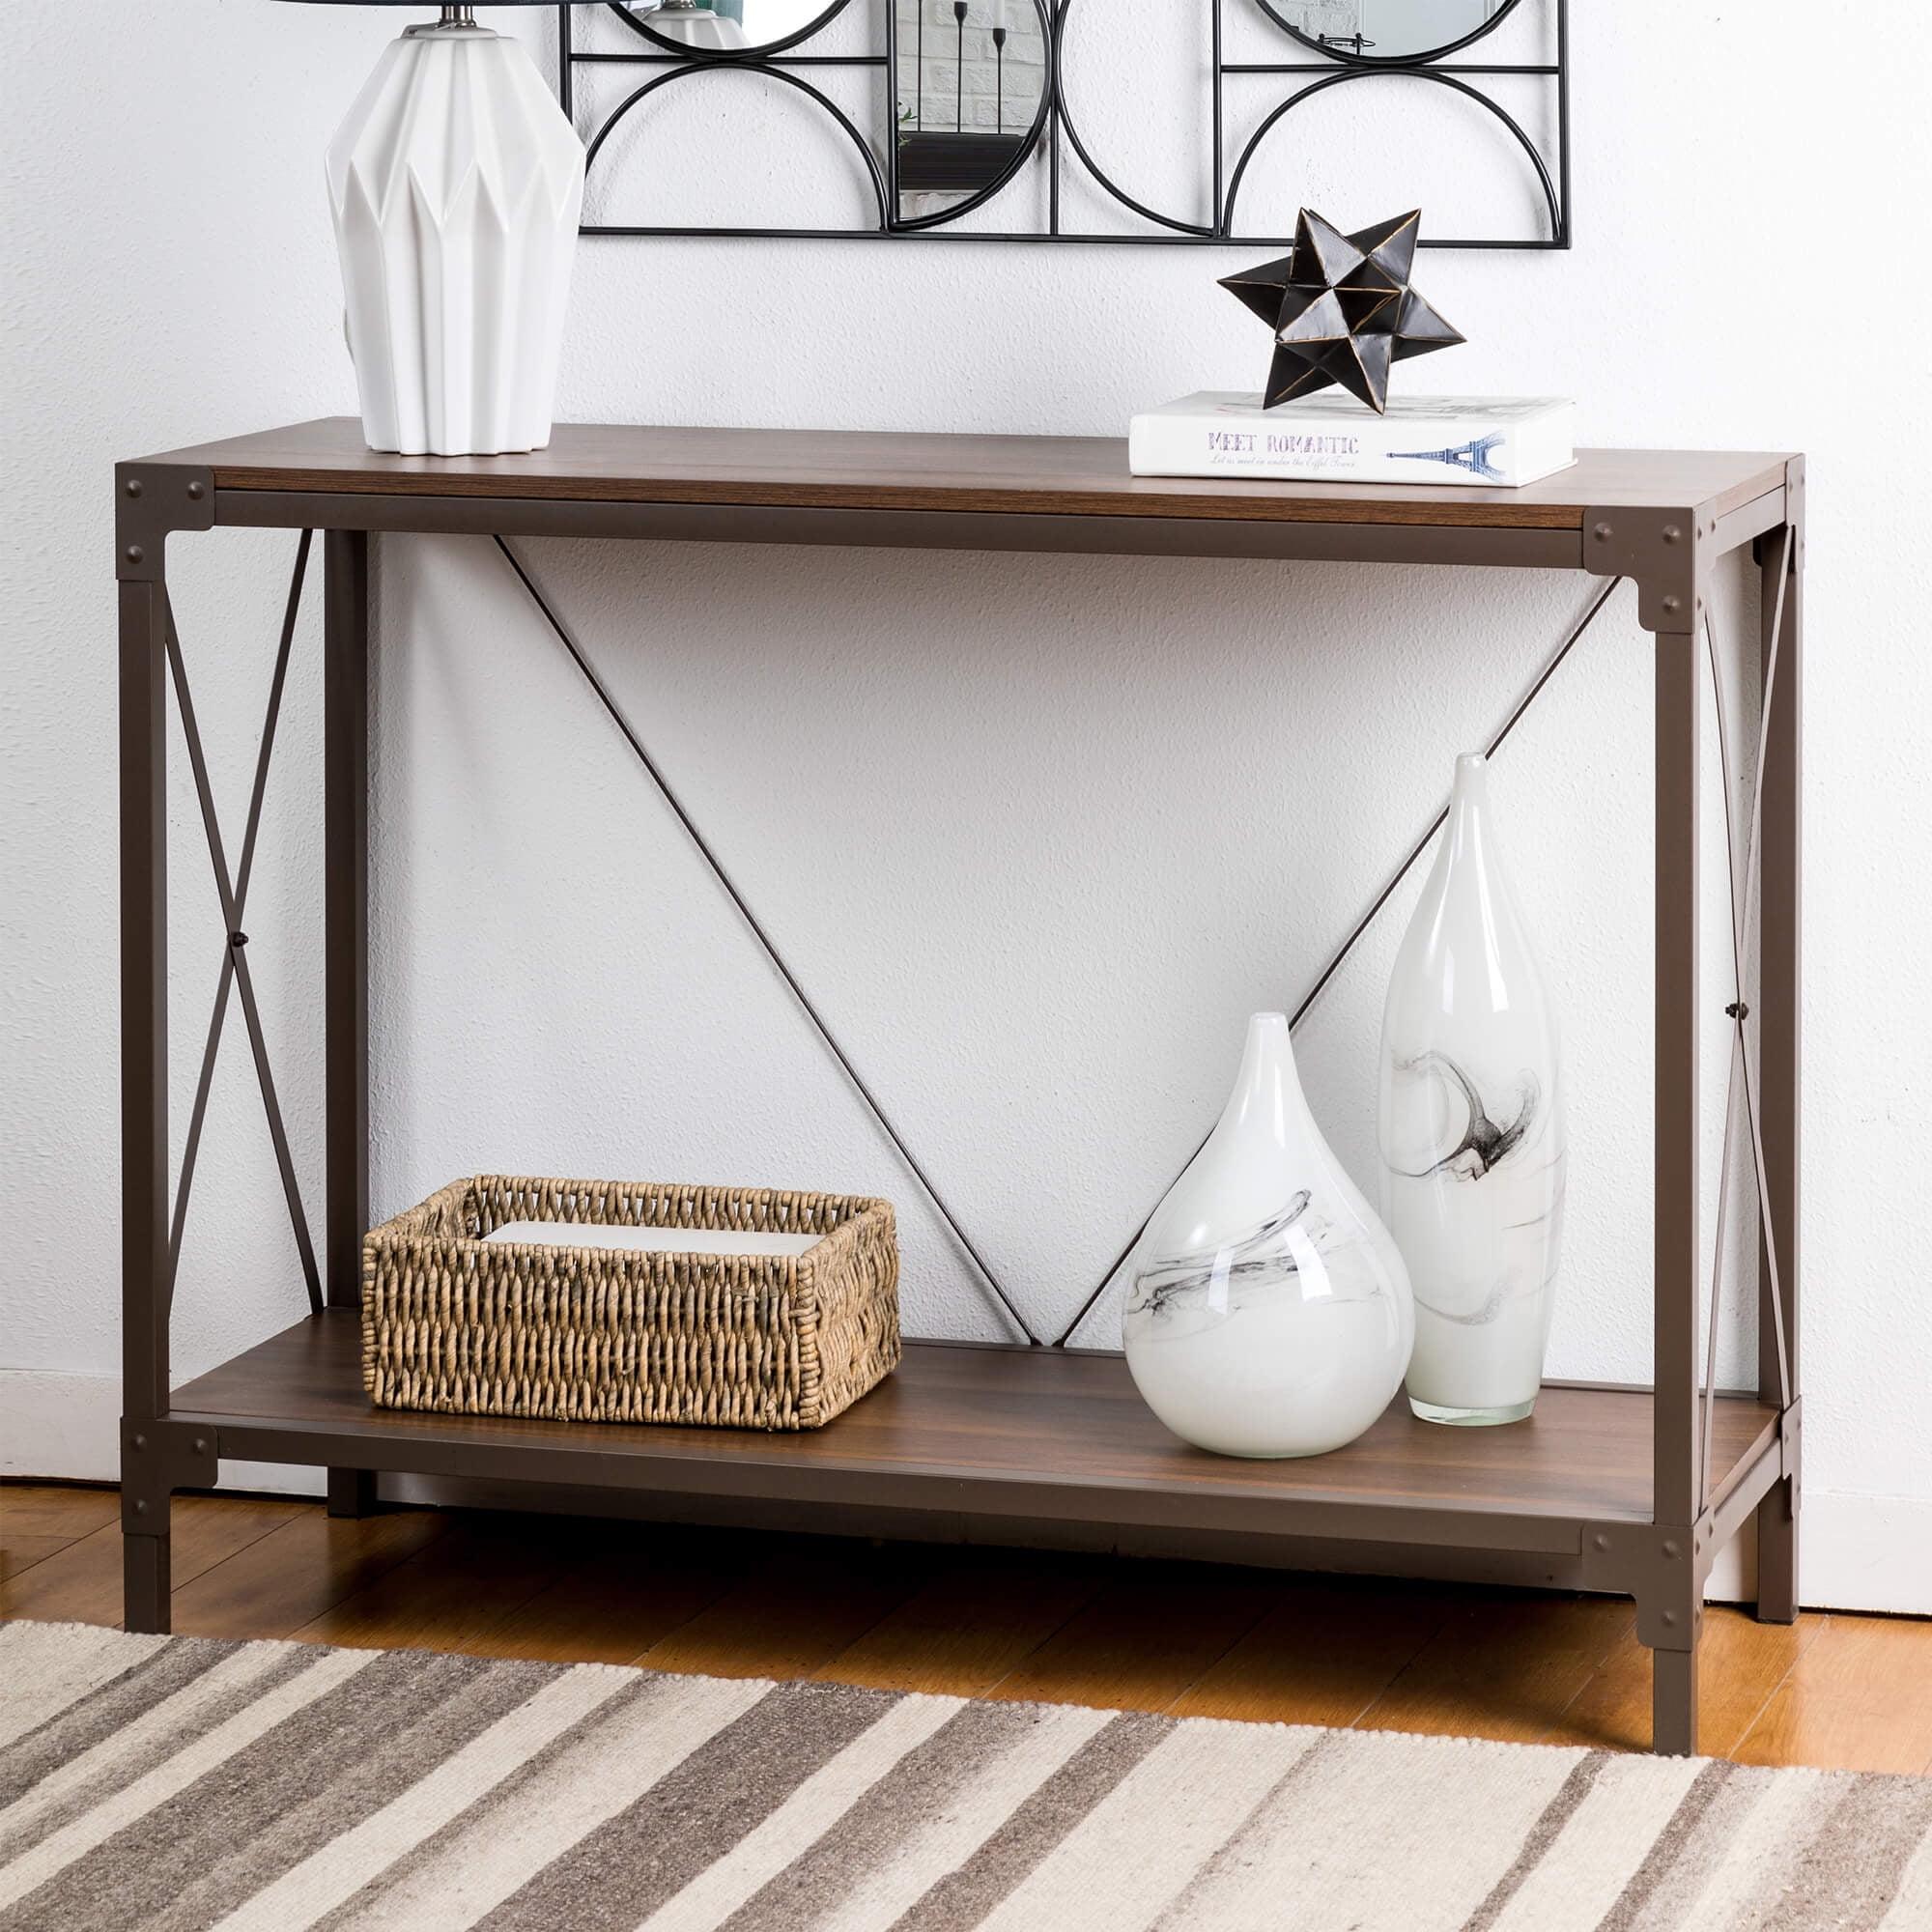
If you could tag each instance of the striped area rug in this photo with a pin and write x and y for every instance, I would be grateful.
(177, 1783)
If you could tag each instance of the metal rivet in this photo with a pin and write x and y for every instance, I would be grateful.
(140, 1442)
(134, 486)
(1670, 1619)
(140, 1508)
(201, 1446)
(1670, 1547)
(238, 940)
(135, 553)
(1672, 534)
(1673, 603)
(194, 492)
(1602, 1542)
(1603, 532)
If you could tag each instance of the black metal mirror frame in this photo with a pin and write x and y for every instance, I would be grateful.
(640, 23)
(1052, 127)
(1340, 50)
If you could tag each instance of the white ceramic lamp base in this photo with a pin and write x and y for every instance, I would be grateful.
(456, 184)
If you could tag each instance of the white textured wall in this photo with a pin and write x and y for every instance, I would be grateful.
(1038, 833)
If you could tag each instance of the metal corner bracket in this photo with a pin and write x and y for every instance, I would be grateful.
(157, 1458)
(1662, 1566)
(151, 501)
(1663, 551)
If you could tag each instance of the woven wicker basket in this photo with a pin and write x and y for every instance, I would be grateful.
(611, 1335)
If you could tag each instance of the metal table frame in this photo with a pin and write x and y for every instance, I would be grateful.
(1669, 549)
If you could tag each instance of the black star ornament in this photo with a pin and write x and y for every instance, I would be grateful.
(1342, 309)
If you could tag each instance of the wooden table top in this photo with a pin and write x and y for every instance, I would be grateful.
(867, 470)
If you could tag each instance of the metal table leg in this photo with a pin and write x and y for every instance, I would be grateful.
(345, 759)
(1670, 1616)
(144, 1082)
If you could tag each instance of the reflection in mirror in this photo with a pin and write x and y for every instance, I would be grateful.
(1387, 30)
(730, 26)
(971, 73)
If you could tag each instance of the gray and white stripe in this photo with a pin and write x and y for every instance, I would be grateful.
(178, 1785)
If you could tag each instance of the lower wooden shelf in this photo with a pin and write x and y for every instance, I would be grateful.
(1012, 1432)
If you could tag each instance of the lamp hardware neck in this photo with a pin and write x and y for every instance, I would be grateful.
(453, 21)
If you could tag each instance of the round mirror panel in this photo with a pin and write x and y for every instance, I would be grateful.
(732, 26)
(972, 75)
(1387, 30)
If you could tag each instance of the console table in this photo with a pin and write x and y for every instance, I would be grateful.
(1628, 1490)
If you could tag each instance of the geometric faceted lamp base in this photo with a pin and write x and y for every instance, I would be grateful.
(456, 184)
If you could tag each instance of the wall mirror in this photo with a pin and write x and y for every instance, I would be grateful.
(729, 26)
(1170, 123)
(1387, 30)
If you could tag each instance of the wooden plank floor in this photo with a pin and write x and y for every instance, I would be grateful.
(1846, 1692)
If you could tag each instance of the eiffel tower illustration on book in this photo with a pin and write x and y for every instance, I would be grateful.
(1474, 457)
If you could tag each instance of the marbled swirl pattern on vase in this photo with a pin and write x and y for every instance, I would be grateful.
(1471, 1128)
(1268, 1311)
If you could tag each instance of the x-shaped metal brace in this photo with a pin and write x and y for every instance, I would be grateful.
(548, 610)
(1741, 1074)
(235, 975)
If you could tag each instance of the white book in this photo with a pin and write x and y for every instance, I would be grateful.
(1488, 442)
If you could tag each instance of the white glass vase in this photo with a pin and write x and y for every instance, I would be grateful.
(1471, 1130)
(1267, 1310)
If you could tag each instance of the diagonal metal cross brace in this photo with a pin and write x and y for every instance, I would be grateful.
(235, 971)
(1741, 922)
(1740, 1073)
(657, 778)
(1340, 953)
(604, 697)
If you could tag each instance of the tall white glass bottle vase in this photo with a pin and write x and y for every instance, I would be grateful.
(1267, 1310)
(1471, 1128)
(456, 184)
